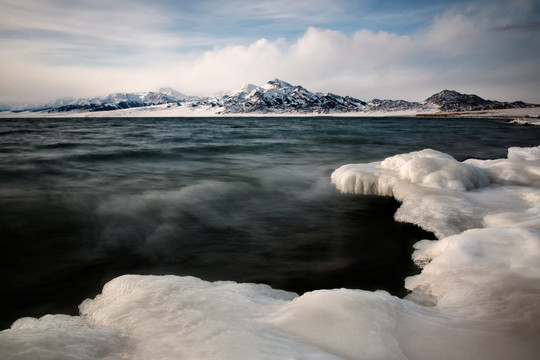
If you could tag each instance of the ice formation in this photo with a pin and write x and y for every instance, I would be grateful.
(477, 297)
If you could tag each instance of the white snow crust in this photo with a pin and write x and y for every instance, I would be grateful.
(523, 116)
(477, 297)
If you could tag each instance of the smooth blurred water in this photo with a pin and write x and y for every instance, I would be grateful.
(243, 199)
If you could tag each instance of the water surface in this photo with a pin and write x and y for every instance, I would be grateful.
(245, 199)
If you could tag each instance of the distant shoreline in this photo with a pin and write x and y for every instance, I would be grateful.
(529, 115)
(521, 116)
(530, 112)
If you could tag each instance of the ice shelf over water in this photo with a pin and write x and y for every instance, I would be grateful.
(477, 297)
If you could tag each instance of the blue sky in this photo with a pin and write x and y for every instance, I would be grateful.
(364, 48)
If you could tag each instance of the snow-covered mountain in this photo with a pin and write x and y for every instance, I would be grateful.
(275, 97)
(125, 100)
(278, 96)
(114, 101)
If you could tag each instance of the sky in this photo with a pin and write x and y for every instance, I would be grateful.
(366, 48)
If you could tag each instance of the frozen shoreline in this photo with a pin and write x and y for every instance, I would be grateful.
(476, 297)
(522, 115)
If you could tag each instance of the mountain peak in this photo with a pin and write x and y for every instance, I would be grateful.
(172, 93)
(447, 92)
(451, 101)
(246, 88)
(277, 84)
(453, 94)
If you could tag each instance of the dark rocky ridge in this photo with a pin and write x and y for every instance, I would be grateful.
(452, 101)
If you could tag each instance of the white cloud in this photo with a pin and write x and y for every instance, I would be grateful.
(367, 64)
(476, 49)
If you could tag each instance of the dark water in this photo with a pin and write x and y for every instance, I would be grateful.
(243, 199)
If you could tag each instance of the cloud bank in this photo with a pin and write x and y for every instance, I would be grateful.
(88, 49)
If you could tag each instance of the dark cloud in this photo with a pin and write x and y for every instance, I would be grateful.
(531, 26)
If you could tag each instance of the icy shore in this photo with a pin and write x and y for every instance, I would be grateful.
(477, 297)
(522, 115)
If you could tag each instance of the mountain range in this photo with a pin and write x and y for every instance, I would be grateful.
(276, 96)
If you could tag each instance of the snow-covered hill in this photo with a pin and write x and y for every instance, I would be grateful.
(274, 97)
